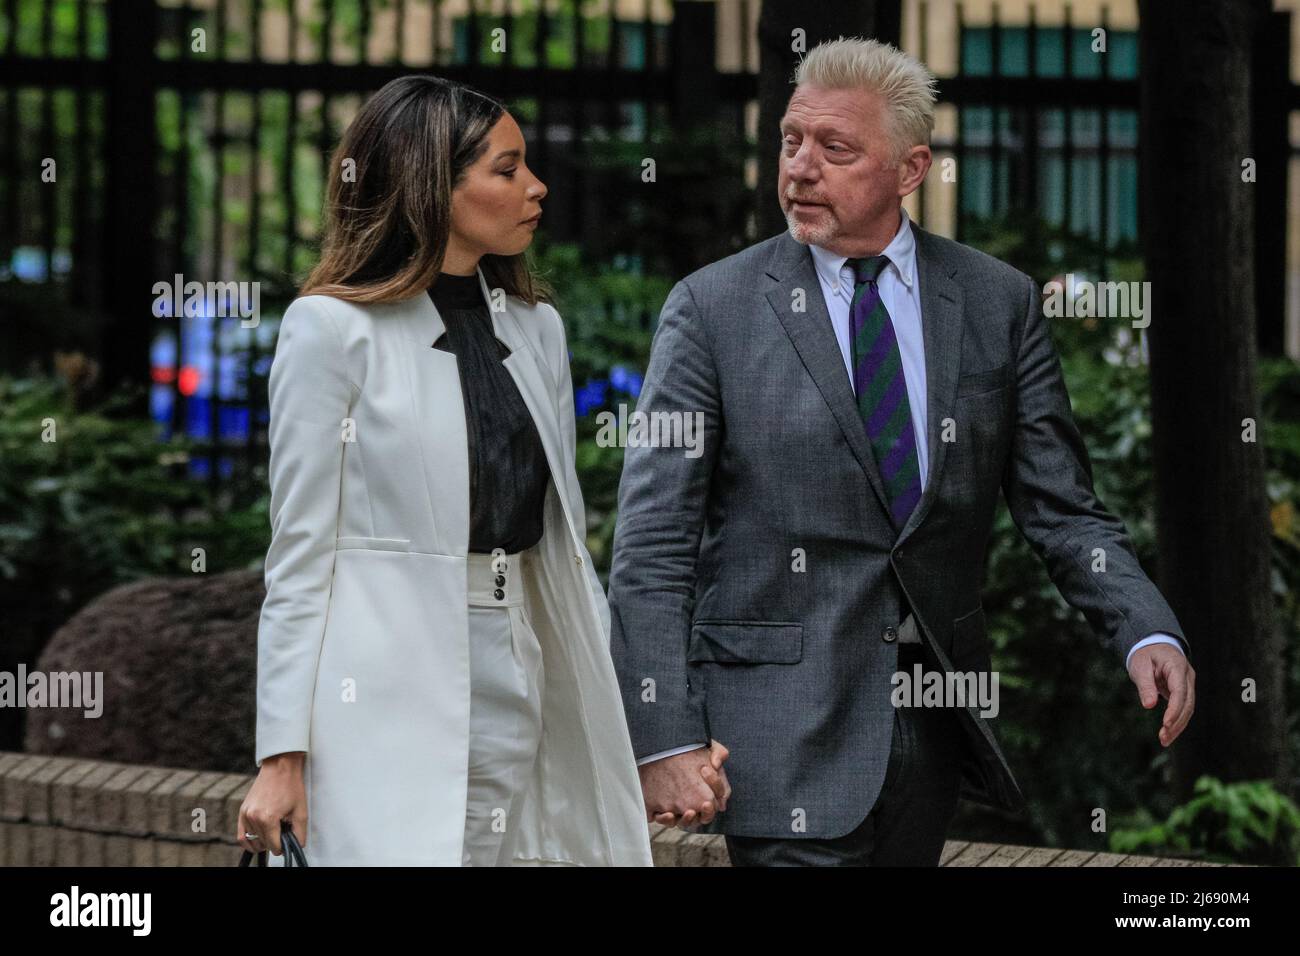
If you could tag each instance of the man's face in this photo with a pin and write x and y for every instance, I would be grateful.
(840, 183)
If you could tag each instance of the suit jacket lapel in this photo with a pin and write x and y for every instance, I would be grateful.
(813, 337)
(941, 328)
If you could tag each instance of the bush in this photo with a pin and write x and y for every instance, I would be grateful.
(1247, 822)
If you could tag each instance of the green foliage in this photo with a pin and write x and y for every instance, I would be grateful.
(677, 199)
(102, 504)
(608, 312)
(1246, 822)
(1070, 714)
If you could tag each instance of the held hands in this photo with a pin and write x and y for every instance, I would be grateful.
(1160, 670)
(277, 794)
(686, 789)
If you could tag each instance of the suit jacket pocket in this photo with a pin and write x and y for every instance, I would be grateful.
(746, 642)
(976, 383)
(372, 544)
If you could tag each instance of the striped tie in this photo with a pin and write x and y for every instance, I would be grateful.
(881, 389)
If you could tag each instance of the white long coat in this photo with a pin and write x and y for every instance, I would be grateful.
(363, 657)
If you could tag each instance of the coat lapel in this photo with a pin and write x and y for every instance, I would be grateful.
(814, 339)
(438, 411)
(536, 385)
(941, 330)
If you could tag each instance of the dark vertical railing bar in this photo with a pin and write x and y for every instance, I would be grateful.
(399, 31)
(255, 153)
(650, 43)
(1067, 127)
(48, 193)
(290, 142)
(290, 187)
(542, 141)
(578, 110)
(9, 235)
(47, 29)
(253, 272)
(1029, 183)
(921, 53)
(437, 32)
(82, 275)
(649, 61)
(217, 139)
(959, 147)
(363, 33)
(323, 130)
(326, 52)
(613, 50)
(508, 25)
(130, 178)
(745, 38)
(1103, 150)
(996, 108)
(471, 35)
(185, 100)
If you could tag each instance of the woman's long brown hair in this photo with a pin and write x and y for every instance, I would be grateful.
(388, 212)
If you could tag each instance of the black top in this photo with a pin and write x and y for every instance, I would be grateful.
(508, 472)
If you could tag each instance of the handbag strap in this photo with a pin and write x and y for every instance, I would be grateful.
(293, 852)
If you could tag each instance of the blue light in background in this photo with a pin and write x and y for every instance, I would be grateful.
(590, 396)
(625, 380)
(28, 264)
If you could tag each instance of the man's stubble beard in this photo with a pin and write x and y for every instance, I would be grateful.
(810, 234)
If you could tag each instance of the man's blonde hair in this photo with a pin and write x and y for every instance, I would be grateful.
(906, 86)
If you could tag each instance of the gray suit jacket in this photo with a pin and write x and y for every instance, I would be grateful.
(719, 631)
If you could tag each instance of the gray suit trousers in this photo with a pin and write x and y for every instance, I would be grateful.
(909, 821)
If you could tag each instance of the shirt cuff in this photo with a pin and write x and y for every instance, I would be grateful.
(1158, 638)
(669, 753)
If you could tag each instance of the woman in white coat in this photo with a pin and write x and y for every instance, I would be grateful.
(434, 681)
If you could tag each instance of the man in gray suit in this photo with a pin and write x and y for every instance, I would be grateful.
(864, 389)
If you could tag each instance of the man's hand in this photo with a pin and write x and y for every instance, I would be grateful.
(1160, 670)
(687, 788)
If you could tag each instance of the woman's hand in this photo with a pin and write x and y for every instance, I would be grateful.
(277, 794)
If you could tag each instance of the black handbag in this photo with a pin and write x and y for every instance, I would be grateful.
(293, 854)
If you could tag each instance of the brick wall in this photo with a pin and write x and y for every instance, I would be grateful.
(64, 811)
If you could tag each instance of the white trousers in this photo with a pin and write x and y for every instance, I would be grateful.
(505, 722)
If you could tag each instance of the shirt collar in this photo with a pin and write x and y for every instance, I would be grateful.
(901, 252)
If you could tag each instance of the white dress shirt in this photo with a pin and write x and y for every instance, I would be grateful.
(900, 291)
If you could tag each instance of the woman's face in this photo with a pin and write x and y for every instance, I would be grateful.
(497, 206)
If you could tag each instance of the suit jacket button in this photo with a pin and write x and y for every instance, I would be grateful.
(499, 594)
(501, 579)
(890, 635)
